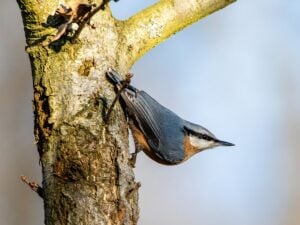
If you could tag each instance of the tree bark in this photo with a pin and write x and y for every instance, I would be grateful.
(86, 175)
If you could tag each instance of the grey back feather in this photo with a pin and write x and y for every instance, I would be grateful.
(163, 129)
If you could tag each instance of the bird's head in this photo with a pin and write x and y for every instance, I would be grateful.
(201, 138)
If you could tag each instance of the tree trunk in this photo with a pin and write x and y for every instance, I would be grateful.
(86, 175)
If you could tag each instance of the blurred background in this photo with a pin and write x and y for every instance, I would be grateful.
(236, 72)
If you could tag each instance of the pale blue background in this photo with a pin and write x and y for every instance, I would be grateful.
(236, 72)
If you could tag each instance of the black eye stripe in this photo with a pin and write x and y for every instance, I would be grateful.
(205, 137)
(201, 136)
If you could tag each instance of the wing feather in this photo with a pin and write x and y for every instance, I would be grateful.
(142, 112)
(156, 121)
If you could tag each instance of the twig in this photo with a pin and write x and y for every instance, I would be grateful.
(124, 85)
(34, 186)
(87, 19)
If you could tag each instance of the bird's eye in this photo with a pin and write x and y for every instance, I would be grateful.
(205, 137)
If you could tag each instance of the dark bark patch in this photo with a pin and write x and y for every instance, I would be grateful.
(70, 170)
(41, 113)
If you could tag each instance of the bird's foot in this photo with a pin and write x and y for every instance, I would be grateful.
(133, 158)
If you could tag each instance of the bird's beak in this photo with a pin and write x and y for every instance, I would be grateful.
(224, 143)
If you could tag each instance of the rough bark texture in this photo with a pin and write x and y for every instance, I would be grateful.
(86, 176)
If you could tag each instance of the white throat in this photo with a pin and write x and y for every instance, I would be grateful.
(201, 143)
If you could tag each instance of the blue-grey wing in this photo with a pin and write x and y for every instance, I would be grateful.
(158, 124)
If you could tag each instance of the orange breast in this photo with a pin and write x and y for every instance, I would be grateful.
(141, 142)
(139, 139)
(189, 150)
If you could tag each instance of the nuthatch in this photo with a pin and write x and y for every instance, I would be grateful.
(159, 132)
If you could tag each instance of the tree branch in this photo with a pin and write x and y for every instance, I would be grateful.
(156, 23)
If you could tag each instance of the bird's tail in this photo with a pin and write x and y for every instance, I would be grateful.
(114, 77)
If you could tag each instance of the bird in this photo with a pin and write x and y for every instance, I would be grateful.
(157, 131)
